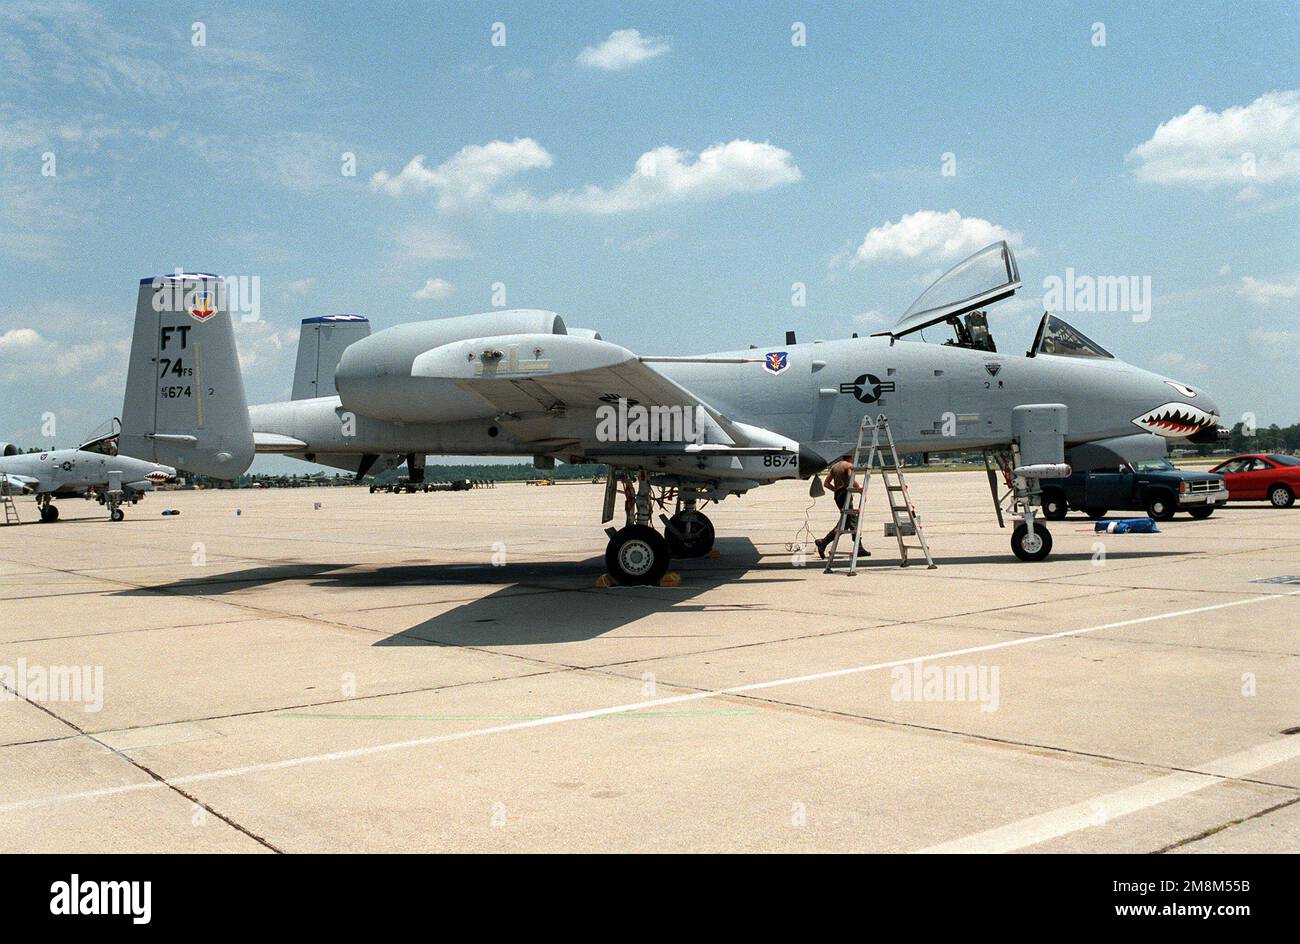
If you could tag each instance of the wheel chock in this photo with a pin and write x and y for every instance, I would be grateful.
(715, 553)
(604, 582)
(671, 580)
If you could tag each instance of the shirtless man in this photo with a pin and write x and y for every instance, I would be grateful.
(840, 480)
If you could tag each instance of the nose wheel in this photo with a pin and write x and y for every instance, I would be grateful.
(1031, 547)
(637, 556)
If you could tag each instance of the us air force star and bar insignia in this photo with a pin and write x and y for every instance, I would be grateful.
(867, 388)
(776, 361)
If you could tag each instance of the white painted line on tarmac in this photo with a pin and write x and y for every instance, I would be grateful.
(549, 720)
(1110, 806)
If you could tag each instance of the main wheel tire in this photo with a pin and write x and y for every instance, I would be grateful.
(1200, 514)
(693, 536)
(1096, 513)
(1031, 548)
(1054, 505)
(49, 513)
(117, 514)
(1281, 496)
(637, 556)
(1161, 506)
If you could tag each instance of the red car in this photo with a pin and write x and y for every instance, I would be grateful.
(1262, 477)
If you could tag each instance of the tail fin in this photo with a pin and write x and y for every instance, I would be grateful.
(320, 345)
(185, 403)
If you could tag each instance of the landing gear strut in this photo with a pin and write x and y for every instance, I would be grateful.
(1030, 539)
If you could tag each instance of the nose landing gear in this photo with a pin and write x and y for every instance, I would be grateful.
(1030, 540)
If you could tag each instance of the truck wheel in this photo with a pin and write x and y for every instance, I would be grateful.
(1161, 507)
(1280, 496)
(1096, 513)
(1054, 505)
(1200, 514)
(1031, 547)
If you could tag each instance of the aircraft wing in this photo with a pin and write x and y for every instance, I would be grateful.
(23, 484)
(528, 375)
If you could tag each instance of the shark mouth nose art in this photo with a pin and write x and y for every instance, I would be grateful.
(1175, 419)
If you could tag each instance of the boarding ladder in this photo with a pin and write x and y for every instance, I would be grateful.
(7, 499)
(907, 523)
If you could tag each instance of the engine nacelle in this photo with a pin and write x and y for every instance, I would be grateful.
(374, 375)
(8, 449)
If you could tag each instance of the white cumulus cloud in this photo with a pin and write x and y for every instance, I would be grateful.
(434, 288)
(670, 175)
(623, 49)
(1264, 293)
(1246, 145)
(467, 176)
(931, 235)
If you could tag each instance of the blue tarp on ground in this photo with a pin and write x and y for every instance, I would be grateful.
(1127, 526)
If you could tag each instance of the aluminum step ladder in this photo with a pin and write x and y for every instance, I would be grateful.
(906, 521)
(7, 499)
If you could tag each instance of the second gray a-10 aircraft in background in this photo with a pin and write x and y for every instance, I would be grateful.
(92, 471)
(675, 430)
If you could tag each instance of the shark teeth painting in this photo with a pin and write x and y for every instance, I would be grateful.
(1175, 419)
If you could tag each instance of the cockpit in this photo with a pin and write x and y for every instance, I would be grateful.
(959, 298)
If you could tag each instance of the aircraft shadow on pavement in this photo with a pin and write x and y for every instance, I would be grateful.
(537, 602)
(545, 602)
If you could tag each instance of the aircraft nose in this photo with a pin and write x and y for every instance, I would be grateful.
(1188, 411)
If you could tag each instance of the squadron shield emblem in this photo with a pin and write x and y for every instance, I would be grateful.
(776, 361)
(204, 306)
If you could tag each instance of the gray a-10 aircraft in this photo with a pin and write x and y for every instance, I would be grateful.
(112, 480)
(521, 383)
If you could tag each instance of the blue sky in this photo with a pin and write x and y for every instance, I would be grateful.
(774, 164)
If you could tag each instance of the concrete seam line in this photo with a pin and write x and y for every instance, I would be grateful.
(1110, 806)
(549, 720)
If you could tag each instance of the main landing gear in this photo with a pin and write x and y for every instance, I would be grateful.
(637, 554)
(49, 512)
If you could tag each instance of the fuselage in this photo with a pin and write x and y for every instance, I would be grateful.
(937, 398)
(74, 471)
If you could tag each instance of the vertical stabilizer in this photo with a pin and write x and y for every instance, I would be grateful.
(185, 403)
(320, 345)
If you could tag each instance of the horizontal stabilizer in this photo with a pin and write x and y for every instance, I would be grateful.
(274, 442)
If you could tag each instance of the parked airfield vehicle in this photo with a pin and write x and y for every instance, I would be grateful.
(1260, 476)
(521, 383)
(1150, 485)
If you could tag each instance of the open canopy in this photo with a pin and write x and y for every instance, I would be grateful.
(986, 277)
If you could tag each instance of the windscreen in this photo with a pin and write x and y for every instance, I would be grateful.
(1059, 337)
